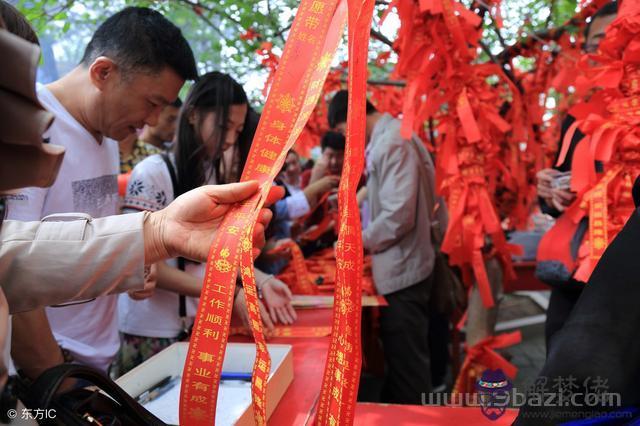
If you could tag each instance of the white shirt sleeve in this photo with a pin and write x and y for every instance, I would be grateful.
(149, 187)
(297, 205)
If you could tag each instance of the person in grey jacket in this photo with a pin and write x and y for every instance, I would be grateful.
(398, 235)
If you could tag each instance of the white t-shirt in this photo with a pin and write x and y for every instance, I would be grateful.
(150, 188)
(87, 183)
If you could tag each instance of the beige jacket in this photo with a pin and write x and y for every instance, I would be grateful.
(91, 257)
(399, 231)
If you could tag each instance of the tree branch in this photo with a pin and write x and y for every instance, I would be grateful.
(380, 37)
(208, 21)
(220, 12)
(379, 82)
(506, 70)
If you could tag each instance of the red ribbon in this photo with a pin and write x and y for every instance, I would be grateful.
(342, 370)
(482, 356)
(313, 39)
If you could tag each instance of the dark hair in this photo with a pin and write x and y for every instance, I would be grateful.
(213, 92)
(338, 108)
(606, 10)
(17, 24)
(246, 137)
(177, 103)
(333, 140)
(141, 39)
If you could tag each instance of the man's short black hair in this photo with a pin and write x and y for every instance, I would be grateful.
(606, 10)
(333, 140)
(141, 39)
(177, 103)
(338, 108)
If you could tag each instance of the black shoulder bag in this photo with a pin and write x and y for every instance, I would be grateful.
(182, 300)
(100, 402)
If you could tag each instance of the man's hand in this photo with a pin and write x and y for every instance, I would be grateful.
(278, 298)
(188, 225)
(150, 280)
(320, 169)
(562, 198)
(315, 191)
(545, 176)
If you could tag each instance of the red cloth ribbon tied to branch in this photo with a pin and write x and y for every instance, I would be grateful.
(482, 356)
(610, 121)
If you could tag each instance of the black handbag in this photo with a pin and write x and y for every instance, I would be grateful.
(448, 294)
(182, 299)
(100, 402)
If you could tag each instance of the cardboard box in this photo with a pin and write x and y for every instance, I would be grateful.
(234, 398)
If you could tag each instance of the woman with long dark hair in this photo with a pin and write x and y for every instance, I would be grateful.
(214, 135)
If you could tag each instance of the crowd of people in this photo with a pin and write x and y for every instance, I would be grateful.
(101, 259)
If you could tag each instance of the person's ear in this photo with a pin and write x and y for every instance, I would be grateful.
(102, 71)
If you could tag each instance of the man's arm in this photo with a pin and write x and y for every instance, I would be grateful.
(86, 258)
(33, 346)
(400, 177)
(93, 257)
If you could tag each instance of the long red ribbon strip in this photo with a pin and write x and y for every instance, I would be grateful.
(313, 39)
(342, 370)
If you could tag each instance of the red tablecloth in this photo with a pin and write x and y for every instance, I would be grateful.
(410, 415)
(309, 355)
(526, 280)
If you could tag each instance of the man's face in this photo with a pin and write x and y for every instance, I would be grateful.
(334, 159)
(597, 33)
(167, 121)
(127, 104)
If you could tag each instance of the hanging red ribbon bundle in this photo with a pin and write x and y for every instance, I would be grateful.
(436, 54)
(610, 121)
(269, 60)
(482, 356)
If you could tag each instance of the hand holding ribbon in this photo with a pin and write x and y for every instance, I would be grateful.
(188, 225)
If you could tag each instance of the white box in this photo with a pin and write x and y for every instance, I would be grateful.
(234, 398)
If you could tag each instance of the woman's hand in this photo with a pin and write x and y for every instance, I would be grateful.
(241, 311)
(278, 298)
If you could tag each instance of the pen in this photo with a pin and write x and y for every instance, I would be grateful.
(157, 390)
(229, 375)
